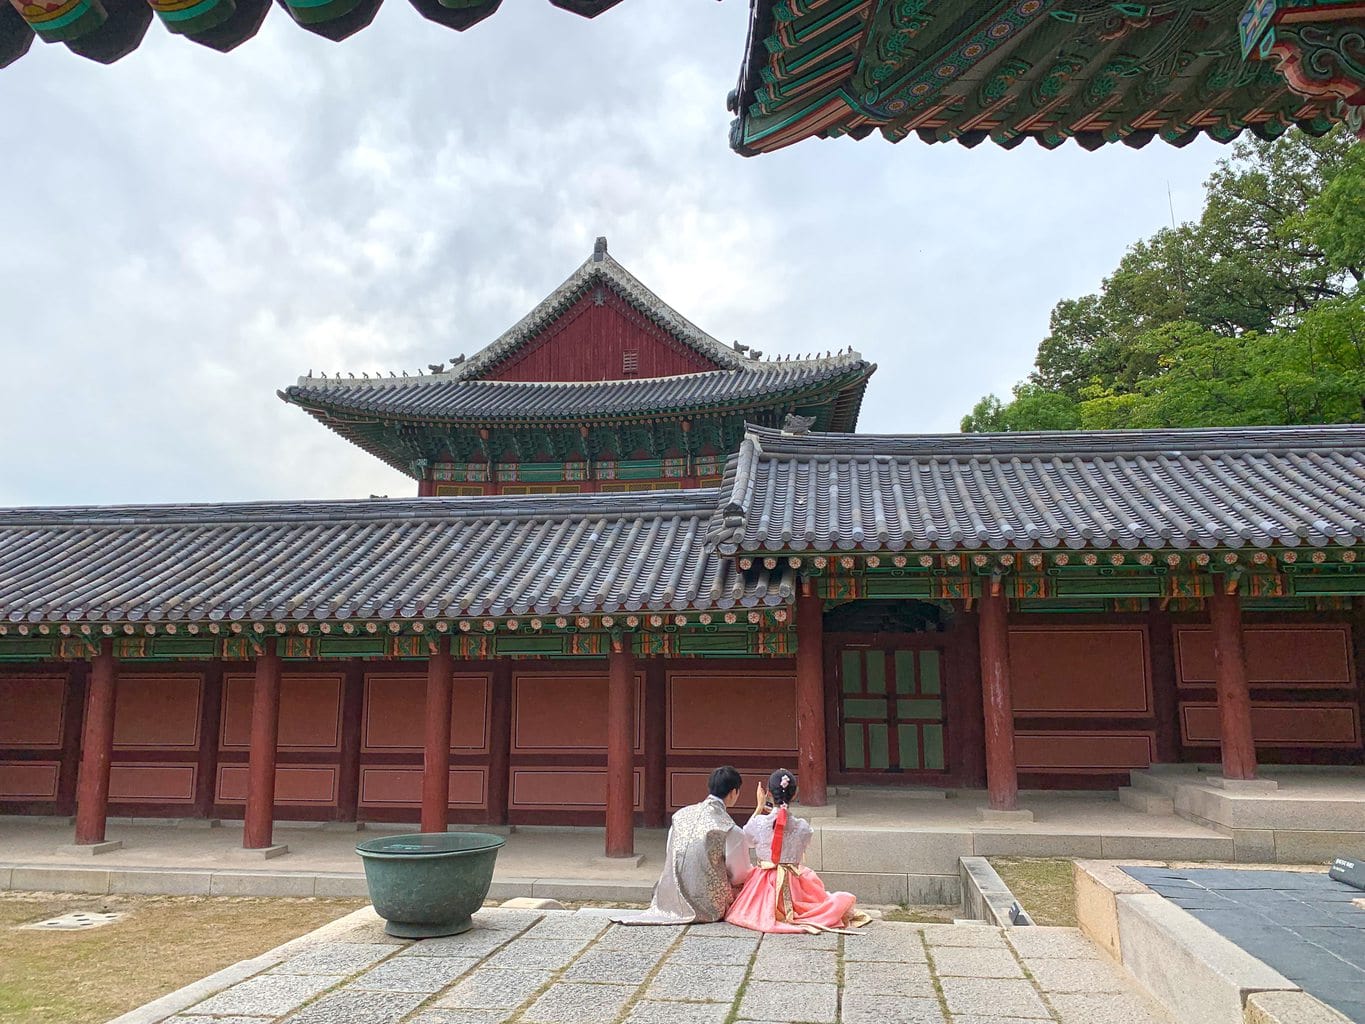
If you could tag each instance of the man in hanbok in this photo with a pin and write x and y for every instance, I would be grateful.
(705, 861)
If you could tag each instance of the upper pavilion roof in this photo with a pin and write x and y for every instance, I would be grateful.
(1257, 486)
(387, 559)
(1009, 70)
(513, 382)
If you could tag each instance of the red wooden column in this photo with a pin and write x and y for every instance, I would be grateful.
(1002, 775)
(97, 749)
(810, 697)
(436, 755)
(620, 749)
(258, 833)
(1230, 671)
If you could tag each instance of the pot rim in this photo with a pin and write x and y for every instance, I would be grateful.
(491, 843)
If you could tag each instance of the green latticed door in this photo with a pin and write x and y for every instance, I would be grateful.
(890, 702)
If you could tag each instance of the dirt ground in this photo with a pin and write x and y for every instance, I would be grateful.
(164, 942)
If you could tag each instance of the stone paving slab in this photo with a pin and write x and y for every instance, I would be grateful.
(558, 967)
(1301, 924)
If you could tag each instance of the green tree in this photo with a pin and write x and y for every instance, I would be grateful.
(1249, 315)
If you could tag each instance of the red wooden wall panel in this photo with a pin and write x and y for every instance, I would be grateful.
(33, 711)
(1080, 671)
(1276, 655)
(589, 342)
(158, 712)
(395, 709)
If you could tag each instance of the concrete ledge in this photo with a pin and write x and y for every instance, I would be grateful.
(1097, 884)
(1017, 817)
(1188, 967)
(590, 889)
(612, 863)
(895, 888)
(1145, 801)
(1242, 785)
(92, 849)
(260, 852)
(154, 882)
(85, 880)
(1290, 1008)
(986, 897)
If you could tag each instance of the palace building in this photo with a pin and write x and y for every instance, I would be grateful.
(636, 552)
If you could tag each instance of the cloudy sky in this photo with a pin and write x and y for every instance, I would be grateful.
(186, 232)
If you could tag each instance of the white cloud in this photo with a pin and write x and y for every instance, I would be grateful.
(185, 232)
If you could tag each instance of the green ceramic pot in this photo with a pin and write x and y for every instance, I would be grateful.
(430, 884)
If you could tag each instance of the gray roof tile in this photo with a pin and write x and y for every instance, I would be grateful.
(413, 558)
(435, 398)
(1162, 488)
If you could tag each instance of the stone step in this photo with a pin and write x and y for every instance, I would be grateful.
(1146, 801)
(1148, 783)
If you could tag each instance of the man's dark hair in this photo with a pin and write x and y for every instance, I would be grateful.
(723, 782)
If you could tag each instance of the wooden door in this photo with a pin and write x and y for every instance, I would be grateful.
(891, 715)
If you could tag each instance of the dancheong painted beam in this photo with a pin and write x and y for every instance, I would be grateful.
(1049, 70)
(1097, 71)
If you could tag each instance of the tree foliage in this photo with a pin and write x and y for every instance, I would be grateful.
(1254, 314)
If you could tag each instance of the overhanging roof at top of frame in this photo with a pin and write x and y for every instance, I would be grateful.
(1208, 488)
(1008, 70)
(106, 30)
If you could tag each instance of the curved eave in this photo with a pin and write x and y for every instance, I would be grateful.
(844, 392)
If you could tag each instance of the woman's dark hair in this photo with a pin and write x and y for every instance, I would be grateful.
(782, 785)
(723, 782)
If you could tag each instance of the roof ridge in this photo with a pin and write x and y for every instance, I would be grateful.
(1062, 443)
(700, 500)
(600, 266)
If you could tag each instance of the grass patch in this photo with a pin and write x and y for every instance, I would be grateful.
(1044, 886)
(164, 943)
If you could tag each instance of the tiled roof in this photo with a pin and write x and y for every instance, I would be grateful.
(414, 558)
(1157, 489)
(447, 398)
(456, 392)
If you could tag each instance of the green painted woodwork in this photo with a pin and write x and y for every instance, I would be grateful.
(920, 585)
(855, 753)
(875, 668)
(712, 643)
(933, 747)
(27, 649)
(878, 749)
(1044, 606)
(864, 707)
(352, 647)
(1109, 586)
(929, 681)
(1315, 584)
(1008, 70)
(931, 709)
(506, 646)
(851, 671)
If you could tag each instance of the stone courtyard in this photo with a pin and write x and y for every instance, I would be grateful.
(561, 967)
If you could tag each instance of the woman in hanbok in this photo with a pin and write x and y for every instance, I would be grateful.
(782, 894)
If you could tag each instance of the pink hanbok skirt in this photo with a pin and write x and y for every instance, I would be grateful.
(791, 898)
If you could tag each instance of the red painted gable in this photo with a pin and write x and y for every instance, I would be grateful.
(600, 337)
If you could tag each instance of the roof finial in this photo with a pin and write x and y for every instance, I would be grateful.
(599, 249)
